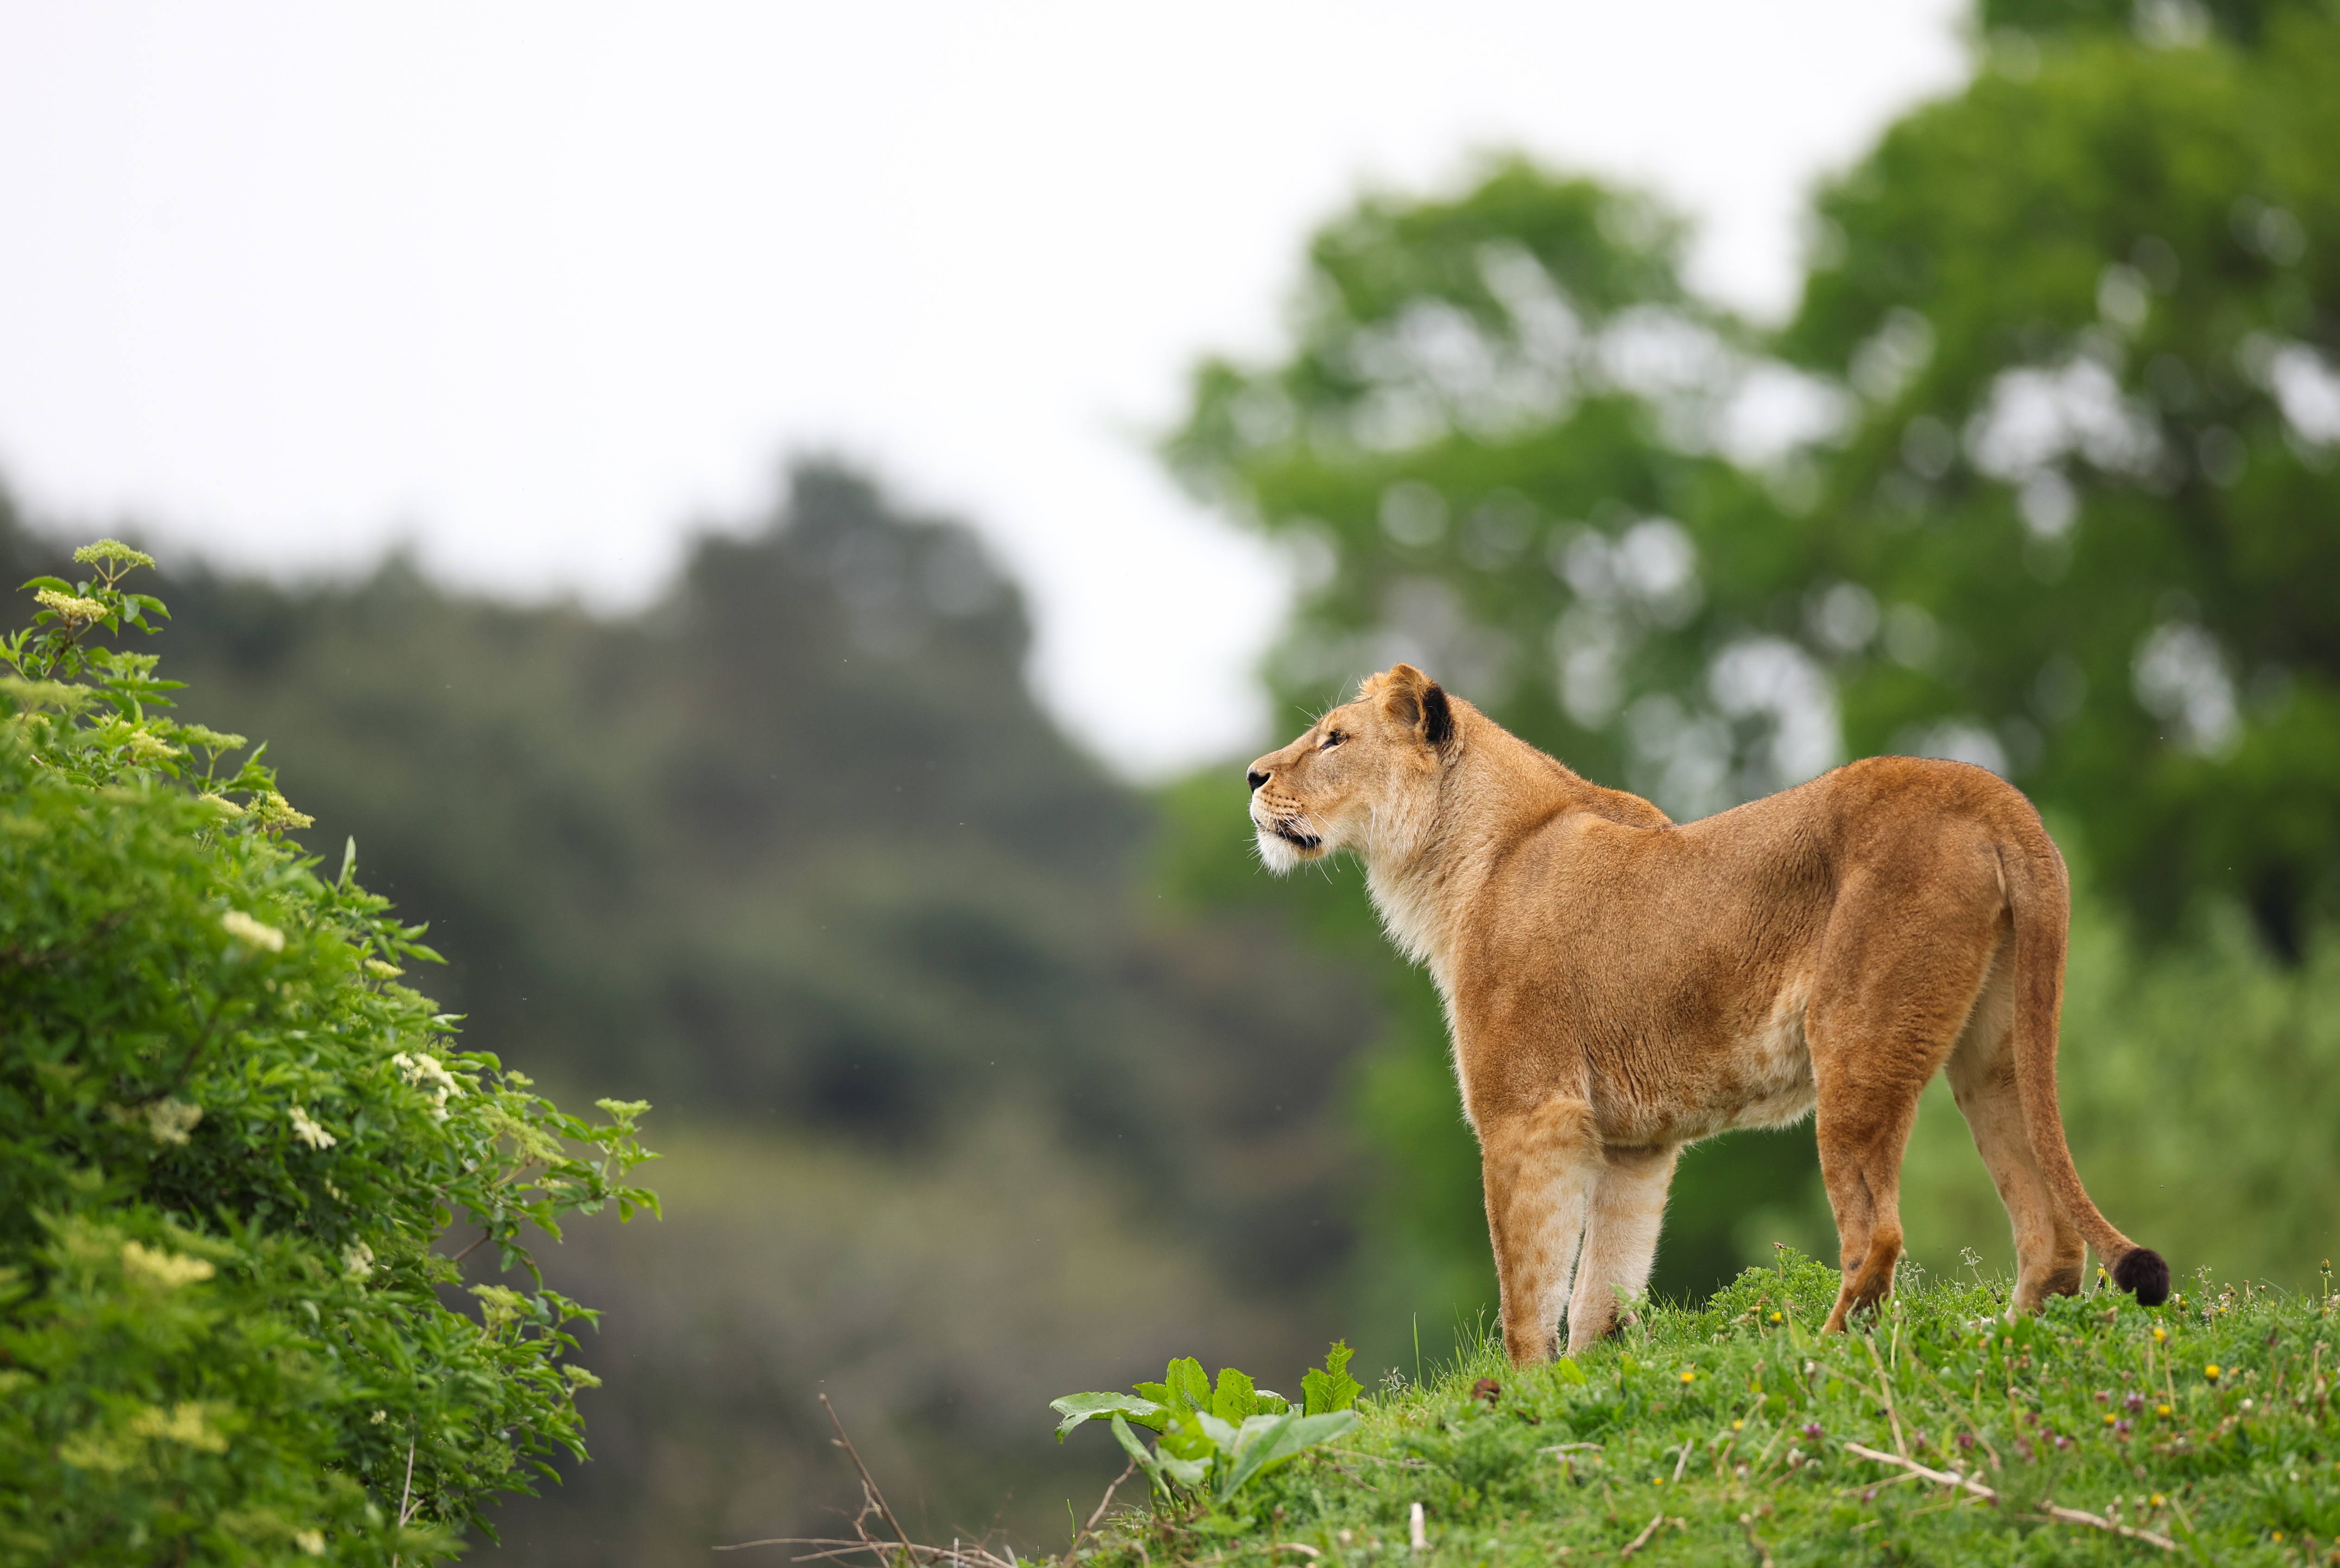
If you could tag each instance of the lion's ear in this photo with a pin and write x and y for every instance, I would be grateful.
(1437, 717)
(1417, 702)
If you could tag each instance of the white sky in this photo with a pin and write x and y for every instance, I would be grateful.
(536, 286)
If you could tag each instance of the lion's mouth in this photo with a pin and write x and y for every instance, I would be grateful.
(1296, 836)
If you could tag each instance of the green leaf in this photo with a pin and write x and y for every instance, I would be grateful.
(1270, 1440)
(1078, 1408)
(1331, 1388)
(1163, 1471)
(1568, 1371)
(1184, 1383)
(1235, 1398)
(1188, 1433)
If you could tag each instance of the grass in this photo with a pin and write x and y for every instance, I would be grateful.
(1719, 1434)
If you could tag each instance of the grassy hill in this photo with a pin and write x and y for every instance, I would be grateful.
(2096, 1432)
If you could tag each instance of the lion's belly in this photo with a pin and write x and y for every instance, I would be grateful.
(1758, 1075)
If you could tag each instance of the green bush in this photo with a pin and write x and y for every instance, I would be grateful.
(229, 1137)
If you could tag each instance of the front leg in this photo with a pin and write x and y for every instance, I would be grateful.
(1539, 1169)
(1621, 1238)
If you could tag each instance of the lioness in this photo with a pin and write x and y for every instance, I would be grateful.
(1619, 985)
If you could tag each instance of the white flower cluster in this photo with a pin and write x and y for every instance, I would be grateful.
(423, 1069)
(308, 1131)
(153, 1266)
(245, 929)
(166, 1120)
(357, 1260)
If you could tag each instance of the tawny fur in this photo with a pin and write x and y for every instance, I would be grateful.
(1619, 986)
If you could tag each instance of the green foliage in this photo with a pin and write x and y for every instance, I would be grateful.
(1330, 1387)
(1215, 1441)
(228, 1139)
(1712, 1433)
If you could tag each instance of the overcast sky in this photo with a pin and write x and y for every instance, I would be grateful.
(538, 288)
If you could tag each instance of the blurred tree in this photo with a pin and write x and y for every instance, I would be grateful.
(795, 844)
(2039, 476)
(2162, 21)
(2093, 309)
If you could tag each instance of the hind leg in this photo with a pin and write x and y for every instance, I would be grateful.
(1621, 1238)
(1539, 1169)
(1864, 1126)
(1892, 999)
(2049, 1255)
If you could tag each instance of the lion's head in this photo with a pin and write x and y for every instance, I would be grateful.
(1365, 777)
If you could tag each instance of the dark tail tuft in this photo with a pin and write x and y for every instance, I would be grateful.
(2144, 1274)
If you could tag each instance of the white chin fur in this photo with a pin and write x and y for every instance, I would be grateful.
(1280, 856)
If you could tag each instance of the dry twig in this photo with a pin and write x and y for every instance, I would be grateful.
(1638, 1542)
(1103, 1504)
(2049, 1510)
(870, 1495)
(873, 1500)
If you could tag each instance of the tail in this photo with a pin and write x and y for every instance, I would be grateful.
(2041, 899)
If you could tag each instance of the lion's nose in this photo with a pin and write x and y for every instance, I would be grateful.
(1254, 778)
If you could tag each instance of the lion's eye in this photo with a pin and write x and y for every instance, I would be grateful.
(1331, 738)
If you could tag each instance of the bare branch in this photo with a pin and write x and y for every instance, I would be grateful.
(1638, 1542)
(1976, 1488)
(869, 1482)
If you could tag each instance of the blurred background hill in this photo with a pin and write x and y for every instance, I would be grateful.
(987, 1075)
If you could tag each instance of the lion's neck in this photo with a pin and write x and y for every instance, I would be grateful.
(1426, 884)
